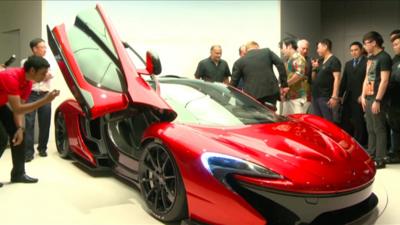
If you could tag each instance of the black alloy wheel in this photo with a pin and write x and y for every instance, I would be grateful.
(61, 136)
(161, 184)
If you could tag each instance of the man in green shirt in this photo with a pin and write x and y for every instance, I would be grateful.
(295, 100)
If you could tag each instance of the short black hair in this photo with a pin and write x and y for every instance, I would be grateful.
(35, 62)
(288, 41)
(395, 37)
(357, 43)
(35, 42)
(327, 42)
(373, 36)
(397, 31)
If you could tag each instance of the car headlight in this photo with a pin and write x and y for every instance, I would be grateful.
(220, 165)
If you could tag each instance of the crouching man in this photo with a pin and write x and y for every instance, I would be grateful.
(15, 87)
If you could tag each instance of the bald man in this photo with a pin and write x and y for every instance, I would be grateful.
(242, 52)
(213, 68)
(303, 47)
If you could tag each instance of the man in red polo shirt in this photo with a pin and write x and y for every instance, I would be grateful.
(15, 87)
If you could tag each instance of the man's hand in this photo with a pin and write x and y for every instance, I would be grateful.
(333, 102)
(18, 137)
(2, 67)
(363, 102)
(226, 80)
(376, 107)
(52, 95)
(284, 90)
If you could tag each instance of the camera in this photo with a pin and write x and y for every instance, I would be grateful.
(10, 60)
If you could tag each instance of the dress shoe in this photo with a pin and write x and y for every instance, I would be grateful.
(379, 164)
(28, 158)
(23, 179)
(42, 154)
(392, 160)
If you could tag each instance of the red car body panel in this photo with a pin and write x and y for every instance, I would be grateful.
(139, 91)
(307, 157)
(73, 112)
(104, 101)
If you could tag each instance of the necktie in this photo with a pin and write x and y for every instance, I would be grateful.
(355, 62)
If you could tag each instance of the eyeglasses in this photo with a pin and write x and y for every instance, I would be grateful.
(367, 42)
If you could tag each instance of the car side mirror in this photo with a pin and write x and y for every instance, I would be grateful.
(153, 63)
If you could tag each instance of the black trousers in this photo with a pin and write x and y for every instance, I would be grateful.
(270, 99)
(3, 139)
(377, 130)
(394, 123)
(353, 121)
(17, 152)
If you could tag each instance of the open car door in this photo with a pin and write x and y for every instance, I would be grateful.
(97, 68)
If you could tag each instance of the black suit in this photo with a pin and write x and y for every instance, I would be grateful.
(255, 68)
(351, 88)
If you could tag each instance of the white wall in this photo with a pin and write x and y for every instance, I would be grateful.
(183, 31)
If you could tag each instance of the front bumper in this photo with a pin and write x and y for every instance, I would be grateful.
(291, 208)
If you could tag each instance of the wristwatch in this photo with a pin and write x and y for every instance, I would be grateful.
(21, 127)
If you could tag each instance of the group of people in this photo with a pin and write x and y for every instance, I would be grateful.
(364, 99)
(23, 92)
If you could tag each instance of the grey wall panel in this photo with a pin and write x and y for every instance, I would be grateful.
(24, 17)
(347, 21)
(301, 19)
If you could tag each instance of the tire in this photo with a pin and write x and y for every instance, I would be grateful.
(61, 136)
(161, 184)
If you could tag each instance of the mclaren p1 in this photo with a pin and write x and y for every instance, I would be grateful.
(200, 152)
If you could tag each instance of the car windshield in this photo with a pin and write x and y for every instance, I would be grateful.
(205, 103)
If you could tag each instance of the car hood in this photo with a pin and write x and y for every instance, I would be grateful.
(307, 156)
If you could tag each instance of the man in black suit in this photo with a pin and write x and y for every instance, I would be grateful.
(350, 91)
(394, 102)
(258, 76)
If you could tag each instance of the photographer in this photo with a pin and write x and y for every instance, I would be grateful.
(15, 87)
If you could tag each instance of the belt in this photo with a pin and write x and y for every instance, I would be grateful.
(40, 92)
(370, 97)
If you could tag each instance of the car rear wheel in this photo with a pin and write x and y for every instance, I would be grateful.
(161, 184)
(61, 136)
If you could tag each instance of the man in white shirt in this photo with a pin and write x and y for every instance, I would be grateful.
(39, 90)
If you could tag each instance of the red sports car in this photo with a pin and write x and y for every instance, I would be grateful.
(200, 152)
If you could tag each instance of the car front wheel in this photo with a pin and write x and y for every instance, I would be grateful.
(161, 184)
(61, 135)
